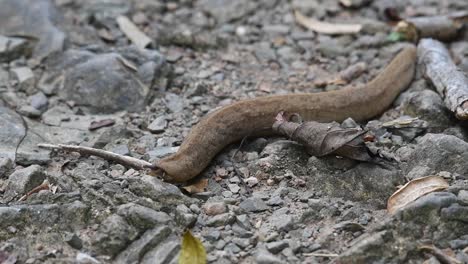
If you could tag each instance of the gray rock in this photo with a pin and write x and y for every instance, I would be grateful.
(83, 258)
(39, 101)
(113, 235)
(38, 19)
(455, 212)
(160, 152)
(277, 247)
(275, 201)
(104, 83)
(6, 165)
(427, 105)
(225, 11)
(24, 180)
(265, 257)
(214, 208)
(242, 242)
(234, 188)
(174, 102)
(138, 248)
(425, 206)
(29, 111)
(282, 220)
(220, 220)
(73, 240)
(438, 152)
(121, 149)
(212, 235)
(158, 125)
(165, 252)
(12, 48)
(462, 195)
(25, 78)
(142, 217)
(253, 205)
(157, 190)
(10, 216)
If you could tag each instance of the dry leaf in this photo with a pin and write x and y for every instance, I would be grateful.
(322, 139)
(192, 250)
(413, 190)
(197, 187)
(326, 28)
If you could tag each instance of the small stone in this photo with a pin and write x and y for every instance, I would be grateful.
(462, 195)
(233, 248)
(83, 258)
(234, 188)
(282, 219)
(227, 194)
(12, 48)
(275, 201)
(121, 149)
(160, 152)
(214, 208)
(39, 101)
(6, 165)
(158, 125)
(174, 102)
(29, 111)
(213, 235)
(194, 208)
(253, 205)
(24, 180)
(25, 78)
(220, 244)
(220, 220)
(276, 247)
(251, 181)
(173, 56)
(265, 257)
(73, 240)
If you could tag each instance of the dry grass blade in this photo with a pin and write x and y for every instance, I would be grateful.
(192, 250)
(413, 190)
(326, 28)
(132, 32)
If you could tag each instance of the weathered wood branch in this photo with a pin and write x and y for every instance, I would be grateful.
(450, 82)
(442, 28)
(107, 155)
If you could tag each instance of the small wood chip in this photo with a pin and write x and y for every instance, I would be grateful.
(133, 33)
(325, 27)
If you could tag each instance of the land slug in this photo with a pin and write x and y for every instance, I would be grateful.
(256, 116)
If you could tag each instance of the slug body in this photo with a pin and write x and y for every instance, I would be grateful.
(256, 116)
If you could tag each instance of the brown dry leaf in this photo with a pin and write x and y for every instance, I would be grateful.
(326, 28)
(322, 139)
(44, 186)
(413, 190)
(192, 250)
(197, 187)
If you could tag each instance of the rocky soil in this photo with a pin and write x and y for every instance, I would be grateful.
(68, 74)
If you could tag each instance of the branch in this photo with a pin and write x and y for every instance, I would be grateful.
(450, 82)
(107, 155)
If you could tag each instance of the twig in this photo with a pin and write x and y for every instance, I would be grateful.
(107, 155)
(43, 186)
(450, 82)
(439, 254)
(325, 255)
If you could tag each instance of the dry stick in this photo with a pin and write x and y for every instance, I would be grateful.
(438, 27)
(107, 155)
(450, 82)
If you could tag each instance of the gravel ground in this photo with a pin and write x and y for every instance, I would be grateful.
(68, 74)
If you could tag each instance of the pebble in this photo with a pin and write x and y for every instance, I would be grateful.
(253, 205)
(158, 125)
(214, 208)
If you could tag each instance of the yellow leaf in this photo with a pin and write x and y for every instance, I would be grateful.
(192, 251)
